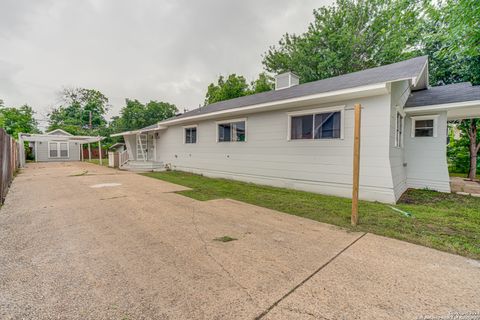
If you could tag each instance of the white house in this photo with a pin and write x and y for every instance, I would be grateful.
(300, 136)
(56, 145)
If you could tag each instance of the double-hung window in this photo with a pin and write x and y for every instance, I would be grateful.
(53, 149)
(316, 124)
(232, 131)
(190, 134)
(58, 149)
(399, 130)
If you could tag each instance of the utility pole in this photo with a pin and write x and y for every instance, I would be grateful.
(90, 120)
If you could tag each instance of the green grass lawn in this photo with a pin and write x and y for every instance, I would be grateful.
(447, 222)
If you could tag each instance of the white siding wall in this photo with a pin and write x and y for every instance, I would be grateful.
(323, 166)
(427, 158)
(131, 145)
(42, 152)
(399, 94)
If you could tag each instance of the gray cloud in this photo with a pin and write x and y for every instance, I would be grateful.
(164, 50)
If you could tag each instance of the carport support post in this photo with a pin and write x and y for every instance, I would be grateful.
(100, 151)
(89, 153)
(356, 164)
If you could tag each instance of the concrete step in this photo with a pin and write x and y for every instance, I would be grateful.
(141, 166)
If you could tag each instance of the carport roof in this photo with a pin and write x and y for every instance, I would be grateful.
(48, 137)
(452, 93)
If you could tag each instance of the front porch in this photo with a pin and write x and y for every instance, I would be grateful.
(140, 154)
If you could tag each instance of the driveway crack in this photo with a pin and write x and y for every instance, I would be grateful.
(264, 313)
(212, 257)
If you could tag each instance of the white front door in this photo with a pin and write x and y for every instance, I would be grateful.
(151, 147)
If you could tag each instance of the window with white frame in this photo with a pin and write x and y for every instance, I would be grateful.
(53, 149)
(399, 130)
(63, 150)
(191, 134)
(58, 149)
(316, 124)
(232, 131)
(424, 126)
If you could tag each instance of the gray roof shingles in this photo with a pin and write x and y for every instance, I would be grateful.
(401, 70)
(458, 92)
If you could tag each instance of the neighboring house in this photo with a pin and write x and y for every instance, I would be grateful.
(117, 147)
(301, 136)
(56, 145)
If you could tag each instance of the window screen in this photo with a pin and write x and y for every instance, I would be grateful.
(327, 125)
(302, 127)
(234, 131)
(190, 135)
(424, 128)
(238, 131)
(316, 126)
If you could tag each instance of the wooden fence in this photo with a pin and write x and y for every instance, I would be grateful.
(9, 162)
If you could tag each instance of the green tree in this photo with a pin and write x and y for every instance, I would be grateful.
(16, 120)
(449, 40)
(349, 36)
(453, 43)
(136, 115)
(233, 87)
(262, 84)
(79, 108)
(236, 86)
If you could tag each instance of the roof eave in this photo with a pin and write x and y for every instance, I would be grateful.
(324, 97)
(132, 132)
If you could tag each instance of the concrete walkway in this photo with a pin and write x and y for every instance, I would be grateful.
(79, 241)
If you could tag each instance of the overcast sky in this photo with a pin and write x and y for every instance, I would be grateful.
(167, 50)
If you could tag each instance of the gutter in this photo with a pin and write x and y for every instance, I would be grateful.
(443, 106)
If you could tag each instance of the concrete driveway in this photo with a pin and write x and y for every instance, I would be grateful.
(78, 241)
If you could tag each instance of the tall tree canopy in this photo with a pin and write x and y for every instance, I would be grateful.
(16, 120)
(235, 86)
(78, 106)
(349, 36)
(136, 115)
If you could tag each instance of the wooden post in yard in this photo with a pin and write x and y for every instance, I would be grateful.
(100, 151)
(89, 153)
(356, 164)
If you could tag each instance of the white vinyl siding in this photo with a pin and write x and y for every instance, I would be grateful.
(426, 156)
(43, 151)
(268, 157)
